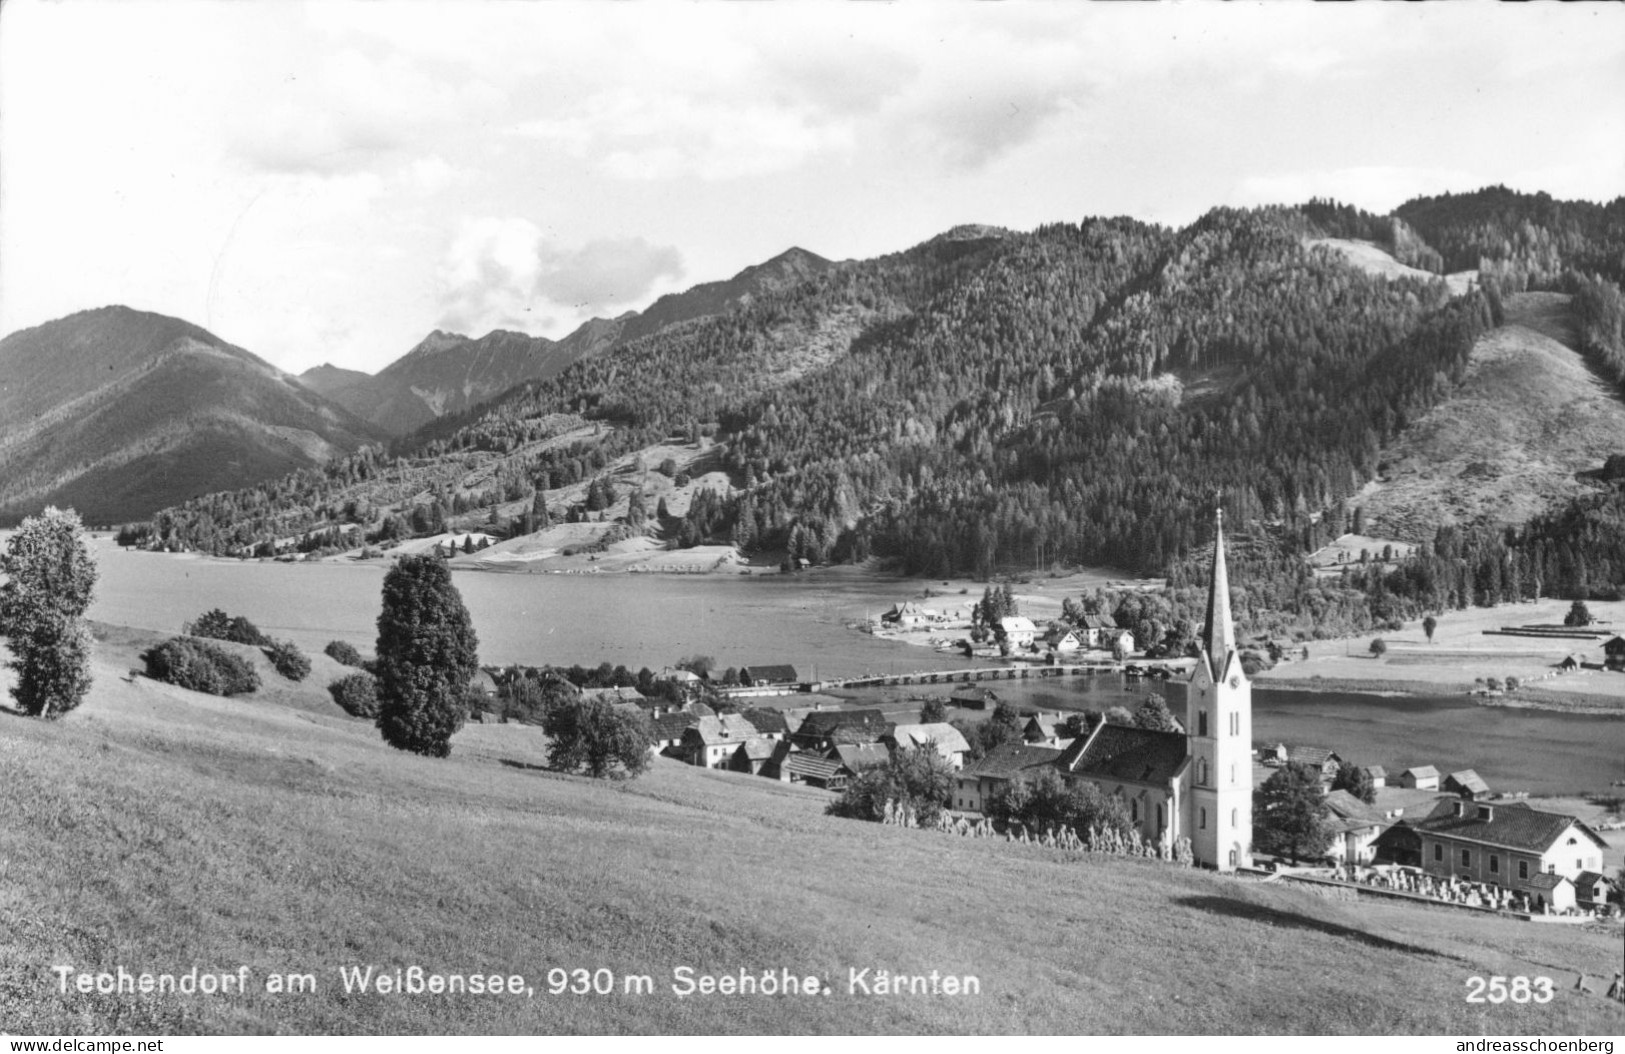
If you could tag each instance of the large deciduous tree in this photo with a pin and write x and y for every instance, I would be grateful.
(592, 734)
(50, 578)
(427, 653)
(1290, 813)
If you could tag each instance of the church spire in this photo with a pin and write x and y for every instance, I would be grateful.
(1219, 637)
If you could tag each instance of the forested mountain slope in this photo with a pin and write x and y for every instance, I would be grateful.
(990, 399)
(120, 412)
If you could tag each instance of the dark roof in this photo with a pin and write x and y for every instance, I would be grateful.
(805, 765)
(823, 722)
(1122, 752)
(1467, 779)
(1514, 826)
(1099, 622)
(767, 722)
(701, 710)
(1587, 880)
(672, 726)
(781, 674)
(1316, 756)
(1009, 760)
(1547, 880)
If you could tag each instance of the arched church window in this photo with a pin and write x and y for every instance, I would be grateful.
(1201, 822)
(1201, 772)
(1201, 722)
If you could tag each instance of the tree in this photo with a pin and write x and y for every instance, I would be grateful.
(289, 661)
(594, 735)
(920, 780)
(1289, 814)
(933, 712)
(200, 666)
(1430, 624)
(1119, 715)
(698, 665)
(427, 653)
(342, 652)
(1356, 780)
(50, 578)
(357, 693)
(1154, 714)
(1379, 647)
(1579, 614)
(1045, 800)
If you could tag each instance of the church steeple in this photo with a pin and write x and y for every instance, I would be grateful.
(1219, 636)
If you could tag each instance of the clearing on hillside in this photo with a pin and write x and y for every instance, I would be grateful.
(1509, 441)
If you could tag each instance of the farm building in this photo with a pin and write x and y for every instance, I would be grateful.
(1467, 784)
(711, 741)
(1615, 652)
(668, 729)
(752, 755)
(974, 697)
(768, 676)
(858, 758)
(770, 723)
(908, 614)
(1378, 776)
(1592, 889)
(1099, 631)
(1508, 845)
(1422, 777)
(1062, 640)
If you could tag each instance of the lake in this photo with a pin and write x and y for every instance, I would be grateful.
(654, 620)
(532, 619)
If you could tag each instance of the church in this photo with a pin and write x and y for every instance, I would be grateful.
(1196, 784)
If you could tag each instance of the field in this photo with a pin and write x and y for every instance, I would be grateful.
(156, 829)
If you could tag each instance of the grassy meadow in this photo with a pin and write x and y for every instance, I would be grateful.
(157, 829)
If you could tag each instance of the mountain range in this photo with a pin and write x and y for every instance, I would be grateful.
(448, 373)
(119, 413)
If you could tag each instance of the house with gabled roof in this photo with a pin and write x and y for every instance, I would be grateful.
(1467, 784)
(1005, 762)
(752, 755)
(1592, 890)
(974, 697)
(768, 676)
(1063, 639)
(711, 741)
(1018, 631)
(1420, 777)
(790, 765)
(668, 729)
(1378, 776)
(820, 730)
(1099, 630)
(940, 736)
(770, 723)
(858, 758)
(1507, 844)
(1355, 827)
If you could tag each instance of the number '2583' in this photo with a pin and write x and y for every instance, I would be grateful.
(1509, 989)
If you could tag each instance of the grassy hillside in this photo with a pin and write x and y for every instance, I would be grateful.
(158, 829)
(1508, 441)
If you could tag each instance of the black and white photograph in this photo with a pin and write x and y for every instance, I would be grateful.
(578, 519)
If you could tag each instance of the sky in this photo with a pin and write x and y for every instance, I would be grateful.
(329, 182)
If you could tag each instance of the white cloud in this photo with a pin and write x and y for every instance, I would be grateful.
(503, 273)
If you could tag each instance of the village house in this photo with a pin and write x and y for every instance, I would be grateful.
(1120, 640)
(909, 614)
(777, 676)
(768, 723)
(1018, 631)
(974, 697)
(789, 764)
(858, 758)
(1099, 631)
(753, 755)
(667, 729)
(1063, 640)
(1355, 827)
(1592, 890)
(613, 695)
(1378, 776)
(1005, 762)
(1508, 845)
(1614, 649)
(1045, 730)
(1327, 761)
(822, 730)
(710, 742)
(686, 678)
(486, 681)
(1421, 777)
(1467, 784)
(939, 736)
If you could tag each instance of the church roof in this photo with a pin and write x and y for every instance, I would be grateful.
(1219, 636)
(1123, 752)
